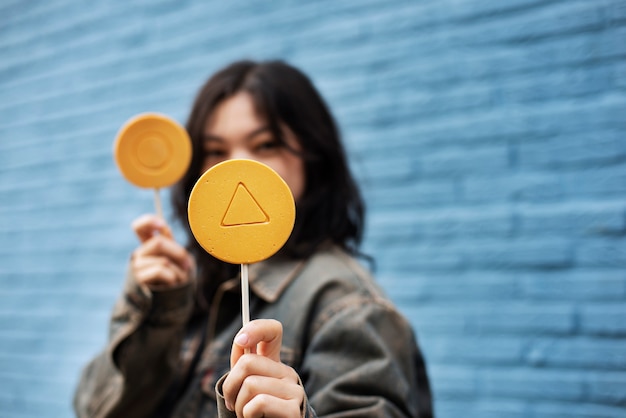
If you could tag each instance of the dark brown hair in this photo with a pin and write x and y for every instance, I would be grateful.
(331, 208)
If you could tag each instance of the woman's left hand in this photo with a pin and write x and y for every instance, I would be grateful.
(258, 384)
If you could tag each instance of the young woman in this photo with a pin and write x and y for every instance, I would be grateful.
(326, 342)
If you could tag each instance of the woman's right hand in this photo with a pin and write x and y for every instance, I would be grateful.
(159, 261)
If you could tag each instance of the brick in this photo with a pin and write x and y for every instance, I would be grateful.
(434, 320)
(542, 56)
(414, 195)
(619, 75)
(485, 127)
(471, 351)
(482, 189)
(414, 102)
(503, 318)
(533, 384)
(582, 410)
(588, 285)
(493, 408)
(525, 88)
(541, 319)
(607, 388)
(576, 353)
(433, 224)
(80, 345)
(389, 171)
(424, 257)
(454, 286)
(570, 151)
(584, 219)
(526, 253)
(387, 226)
(572, 17)
(48, 300)
(49, 321)
(41, 395)
(469, 9)
(605, 319)
(602, 253)
(450, 406)
(53, 365)
(460, 162)
(544, 187)
(580, 48)
(604, 181)
(617, 11)
(23, 16)
(453, 381)
(31, 408)
(22, 263)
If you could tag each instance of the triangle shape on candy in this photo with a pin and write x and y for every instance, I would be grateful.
(243, 209)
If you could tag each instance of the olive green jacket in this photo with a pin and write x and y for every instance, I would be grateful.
(355, 354)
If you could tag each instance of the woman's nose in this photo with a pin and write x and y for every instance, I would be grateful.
(242, 154)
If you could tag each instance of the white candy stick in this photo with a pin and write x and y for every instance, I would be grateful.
(245, 298)
(157, 203)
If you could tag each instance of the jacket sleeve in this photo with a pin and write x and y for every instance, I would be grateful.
(130, 377)
(362, 360)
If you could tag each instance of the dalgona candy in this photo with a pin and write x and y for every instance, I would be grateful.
(241, 211)
(152, 151)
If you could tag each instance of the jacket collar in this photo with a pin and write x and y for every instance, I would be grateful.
(269, 278)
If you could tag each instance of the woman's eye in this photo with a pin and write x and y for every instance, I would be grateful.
(268, 145)
(213, 153)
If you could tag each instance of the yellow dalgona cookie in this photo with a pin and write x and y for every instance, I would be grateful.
(241, 211)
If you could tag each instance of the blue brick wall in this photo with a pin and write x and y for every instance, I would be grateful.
(489, 137)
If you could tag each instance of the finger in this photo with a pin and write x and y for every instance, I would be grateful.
(163, 246)
(255, 365)
(259, 393)
(160, 273)
(149, 225)
(148, 267)
(265, 406)
(263, 336)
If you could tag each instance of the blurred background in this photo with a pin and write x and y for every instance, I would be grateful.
(488, 137)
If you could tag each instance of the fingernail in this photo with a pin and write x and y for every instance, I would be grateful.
(241, 339)
(229, 406)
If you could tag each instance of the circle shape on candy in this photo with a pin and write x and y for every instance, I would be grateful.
(152, 150)
(241, 211)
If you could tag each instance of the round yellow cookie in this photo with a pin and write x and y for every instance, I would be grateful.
(241, 211)
(152, 150)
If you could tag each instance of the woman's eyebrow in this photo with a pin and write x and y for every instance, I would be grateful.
(208, 137)
(211, 138)
(257, 131)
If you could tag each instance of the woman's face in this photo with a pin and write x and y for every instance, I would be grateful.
(234, 130)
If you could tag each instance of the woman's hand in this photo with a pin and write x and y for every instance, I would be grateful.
(258, 384)
(159, 260)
